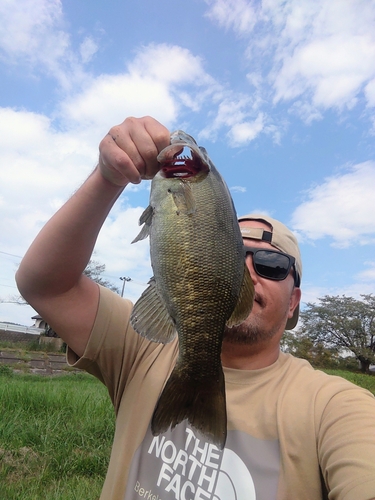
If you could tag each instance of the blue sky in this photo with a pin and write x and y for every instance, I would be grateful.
(281, 94)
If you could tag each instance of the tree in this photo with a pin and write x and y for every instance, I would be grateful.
(94, 270)
(300, 345)
(344, 323)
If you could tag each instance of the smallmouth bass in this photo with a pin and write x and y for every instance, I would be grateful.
(200, 284)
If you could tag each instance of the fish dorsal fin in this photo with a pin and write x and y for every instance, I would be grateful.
(245, 300)
(150, 317)
(146, 219)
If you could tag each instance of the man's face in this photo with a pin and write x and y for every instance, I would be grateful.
(274, 301)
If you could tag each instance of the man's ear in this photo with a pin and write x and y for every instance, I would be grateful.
(294, 301)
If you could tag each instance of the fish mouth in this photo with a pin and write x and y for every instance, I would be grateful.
(181, 161)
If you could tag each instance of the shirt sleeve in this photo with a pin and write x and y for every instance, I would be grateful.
(346, 443)
(115, 351)
(105, 355)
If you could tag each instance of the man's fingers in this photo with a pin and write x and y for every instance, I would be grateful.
(129, 151)
(116, 165)
(149, 137)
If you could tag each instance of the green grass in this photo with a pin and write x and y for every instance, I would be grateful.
(32, 345)
(361, 379)
(55, 437)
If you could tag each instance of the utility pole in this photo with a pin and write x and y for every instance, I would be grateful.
(124, 279)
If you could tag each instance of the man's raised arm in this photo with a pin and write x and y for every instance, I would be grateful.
(50, 275)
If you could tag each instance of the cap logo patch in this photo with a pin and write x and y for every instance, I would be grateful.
(256, 233)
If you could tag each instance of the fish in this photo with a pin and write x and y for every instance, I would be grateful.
(200, 284)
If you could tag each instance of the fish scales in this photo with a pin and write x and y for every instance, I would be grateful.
(200, 277)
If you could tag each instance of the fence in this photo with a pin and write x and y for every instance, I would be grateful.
(8, 327)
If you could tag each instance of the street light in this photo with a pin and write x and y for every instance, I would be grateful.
(124, 279)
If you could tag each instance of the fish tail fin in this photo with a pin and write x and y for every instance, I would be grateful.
(201, 402)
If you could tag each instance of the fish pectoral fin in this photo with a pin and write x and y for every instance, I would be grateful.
(150, 317)
(146, 219)
(245, 300)
(183, 198)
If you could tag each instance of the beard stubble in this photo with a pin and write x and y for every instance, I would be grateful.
(251, 332)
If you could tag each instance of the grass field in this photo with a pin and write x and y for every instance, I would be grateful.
(361, 379)
(55, 437)
(56, 434)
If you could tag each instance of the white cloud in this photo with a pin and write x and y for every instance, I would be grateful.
(87, 49)
(239, 113)
(110, 98)
(368, 274)
(333, 69)
(41, 166)
(168, 63)
(341, 208)
(237, 14)
(311, 294)
(25, 24)
(306, 111)
(155, 83)
(32, 34)
(370, 92)
(370, 96)
(320, 53)
(237, 189)
(242, 133)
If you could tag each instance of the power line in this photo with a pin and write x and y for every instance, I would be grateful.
(131, 279)
(14, 302)
(139, 282)
(11, 254)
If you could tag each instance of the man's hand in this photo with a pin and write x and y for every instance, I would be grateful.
(128, 152)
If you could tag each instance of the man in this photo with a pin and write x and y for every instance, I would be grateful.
(293, 433)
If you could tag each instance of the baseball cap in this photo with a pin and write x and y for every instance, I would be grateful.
(280, 237)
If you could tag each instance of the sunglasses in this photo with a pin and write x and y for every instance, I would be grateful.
(272, 264)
